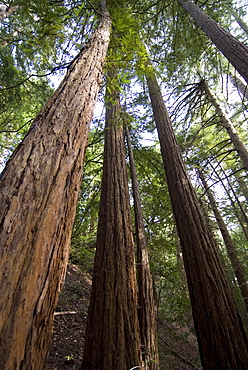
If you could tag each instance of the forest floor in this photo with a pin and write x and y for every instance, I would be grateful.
(177, 345)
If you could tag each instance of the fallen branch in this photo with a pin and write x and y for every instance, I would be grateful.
(65, 313)
(180, 357)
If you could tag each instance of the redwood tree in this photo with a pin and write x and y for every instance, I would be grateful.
(241, 87)
(237, 207)
(39, 190)
(220, 333)
(112, 336)
(146, 305)
(226, 123)
(234, 50)
(230, 246)
(239, 20)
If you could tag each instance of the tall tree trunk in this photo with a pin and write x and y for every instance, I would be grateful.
(239, 20)
(39, 189)
(112, 336)
(146, 305)
(180, 265)
(242, 186)
(220, 333)
(236, 205)
(226, 122)
(231, 48)
(239, 85)
(230, 247)
(236, 197)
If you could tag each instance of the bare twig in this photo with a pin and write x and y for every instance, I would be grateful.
(182, 358)
(65, 313)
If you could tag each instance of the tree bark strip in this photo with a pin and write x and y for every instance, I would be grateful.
(146, 305)
(112, 338)
(239, 20)
(231, 48)
(230, 247)
(239, 85)
(242, 186)
(220, 333)
(238, 209)
(39, 189)
(226, 122)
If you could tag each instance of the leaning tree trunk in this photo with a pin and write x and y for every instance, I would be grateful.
(239, 20)
(39, 189)
(231, 48)
(226, 123)
(242, 186)
(112, 338)
(243, 217)
(237, 207)
(220, 333)
(146, 305)
(230, 247)
(240, 86)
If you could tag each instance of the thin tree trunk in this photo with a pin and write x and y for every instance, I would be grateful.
(112, 336)
(244, 216)
(239, 85)
(146, 305)
(231, 48)
(225, 121)
(39, 189)
(230, 247)
(237, 201)
(220, 333)
(242, 186)
(239, 20)
(180, 265)
(236, 211)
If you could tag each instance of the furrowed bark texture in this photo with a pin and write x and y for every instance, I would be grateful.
(226, 122)
(231, 48)
(230, 247)
(39, 189)
(146, 305)
(221, 337)
(112, 336)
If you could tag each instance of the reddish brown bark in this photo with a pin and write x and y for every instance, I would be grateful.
(39, 189)
(146, 305)
(112, 336)
(231, 48)
(221, 337)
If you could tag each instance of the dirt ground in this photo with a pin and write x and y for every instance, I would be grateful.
(70, 321)
(177, 346)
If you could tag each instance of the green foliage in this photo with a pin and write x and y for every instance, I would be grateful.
(36, 38)
(17, 110)
(85, 225)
